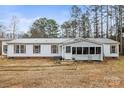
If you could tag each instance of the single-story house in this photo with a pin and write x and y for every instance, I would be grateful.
(66, 48)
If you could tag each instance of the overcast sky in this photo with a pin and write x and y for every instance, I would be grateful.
(28, 14)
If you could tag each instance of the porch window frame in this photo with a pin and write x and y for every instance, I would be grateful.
(87, 53)
(98, 51)
(93, 52)
(80, 51)
(74, 51)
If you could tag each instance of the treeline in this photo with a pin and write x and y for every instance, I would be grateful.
(85, 21)
(98, 21)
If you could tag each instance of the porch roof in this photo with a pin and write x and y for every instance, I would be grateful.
(92, 40)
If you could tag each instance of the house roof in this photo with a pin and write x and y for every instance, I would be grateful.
(103, 40)
(63, 40)
(39, 40)
(92, 40)
(5, 39)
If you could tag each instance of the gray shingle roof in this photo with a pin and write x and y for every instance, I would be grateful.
(4, 39)
(103, 40)
(39, 40)
(63, 40)
(92, 40)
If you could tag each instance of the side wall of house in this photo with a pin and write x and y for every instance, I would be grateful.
(45, 51)
(107, 50)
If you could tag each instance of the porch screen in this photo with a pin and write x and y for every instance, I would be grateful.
(92, 50)
(98, 50)
(79, 50)
(85, 50)
(73, 50)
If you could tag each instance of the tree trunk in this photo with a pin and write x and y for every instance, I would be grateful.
(101, 21)
(107, 24)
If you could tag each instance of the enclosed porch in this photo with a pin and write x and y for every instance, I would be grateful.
(83, 52)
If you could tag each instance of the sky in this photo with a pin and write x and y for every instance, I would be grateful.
(27, 14)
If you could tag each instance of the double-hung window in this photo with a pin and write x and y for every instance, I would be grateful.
(54, 49)
(19, 48)
(68, 49)
(113, 49)
(5, 48)
(36, 49)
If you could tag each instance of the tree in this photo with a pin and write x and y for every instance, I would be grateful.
(75, 20)
(66, 28)
(85, 27)
(44, 27)
(95, 11)
(101, 21)
(2, 31)
(120, 29)
(14, 25)
(52, 28)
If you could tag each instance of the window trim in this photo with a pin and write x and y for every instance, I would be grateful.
(115, 49)
(38, 49)
(5, 49)
(19, 50)
(56, 49)
(69, 49)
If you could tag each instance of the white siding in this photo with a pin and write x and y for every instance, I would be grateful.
(45, 51)
(88, 57)
(107, 50)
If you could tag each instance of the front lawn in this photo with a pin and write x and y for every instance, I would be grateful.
(41, 72)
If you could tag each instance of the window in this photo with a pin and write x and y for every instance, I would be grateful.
(22, 49)
(79, 50)
(19, 48)
(5, 48)
(112, 49)
(92, 50)
(16, 49)
(36, 49)
(68, 49)
(54, 49)
(98, 50)
(73, 50)
(85, 50)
